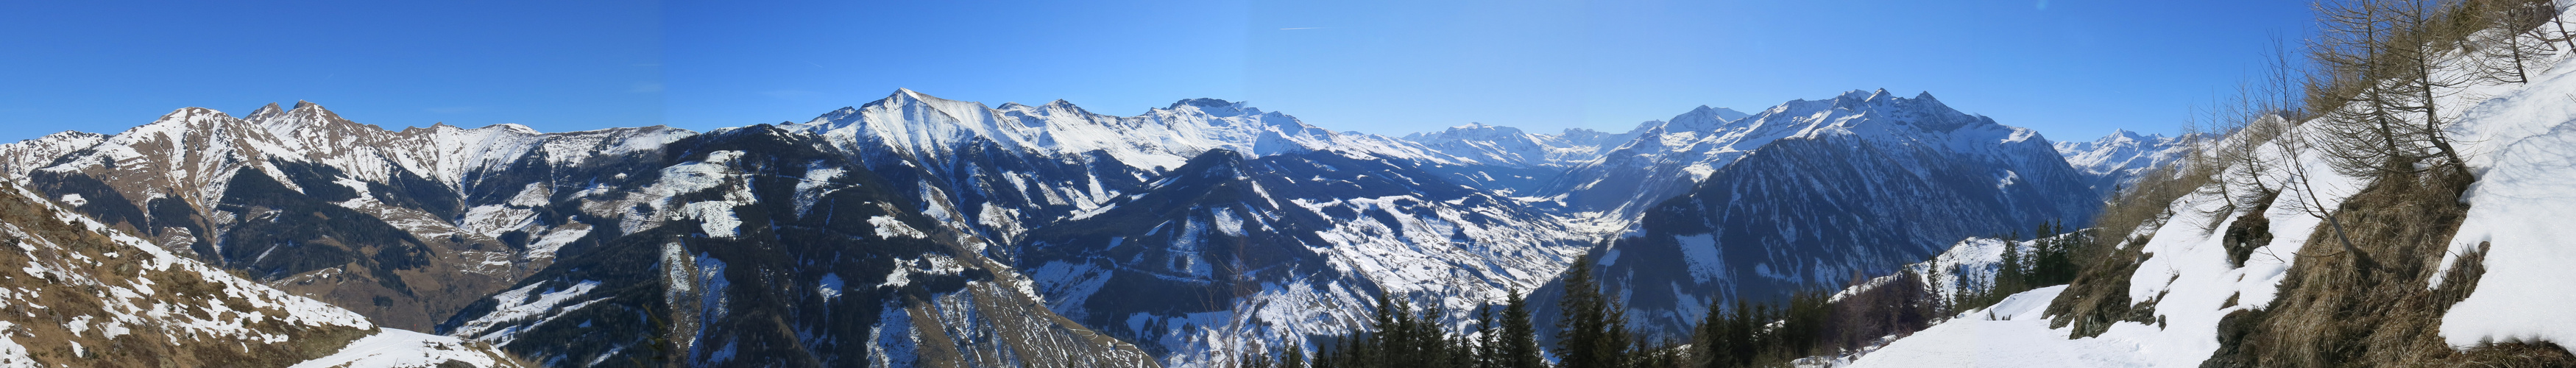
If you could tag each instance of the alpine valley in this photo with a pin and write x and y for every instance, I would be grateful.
(920, 231)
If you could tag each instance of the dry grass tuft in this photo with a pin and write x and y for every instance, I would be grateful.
(2335, 309)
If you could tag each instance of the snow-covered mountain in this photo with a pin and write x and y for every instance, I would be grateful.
(16, 159)
(1812, 194)
(1234, 252)
(1663, 159)
(999, 171)
(1119, 219)
(1507, 161)
(992, 235)
(398, 225)
(441, 224)
(2115, 161)
(765, 246)
(84, 294)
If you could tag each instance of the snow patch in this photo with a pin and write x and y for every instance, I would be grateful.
(395, 348)
(888, 227)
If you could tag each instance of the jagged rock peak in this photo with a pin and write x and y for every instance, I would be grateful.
(271, 111)
(900, 96)
(193, 113)
(304, 114)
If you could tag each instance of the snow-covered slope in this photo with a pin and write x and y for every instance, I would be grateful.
(1811, 194)
(2186, 276)
(1060, 189)
(16, 159)
(762, 246)
(1232, 252)
(81, 293)
(2524, 149)
(2518, 138)
(1665, 159)
(398, 225)
(500, 230)
(2116, 160)
(999, 171)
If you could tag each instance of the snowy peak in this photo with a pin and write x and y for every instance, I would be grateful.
(1661, 159)
(1471, 131)
(1215, 107)
(2117, 159)
(16, 159)
(270, 112)
(923, 126)
(305, 116)
(1511, 147)
(1702, 119)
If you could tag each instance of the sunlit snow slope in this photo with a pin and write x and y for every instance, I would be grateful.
(2521, 139)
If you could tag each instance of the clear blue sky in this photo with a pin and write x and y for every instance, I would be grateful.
(2072, 69)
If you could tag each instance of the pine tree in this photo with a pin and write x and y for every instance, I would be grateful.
(2009, 271)
(1487, 339)
(1253, 359)
(1590, 332)
(1712, 346)
(1294, 357)
(1520, 338)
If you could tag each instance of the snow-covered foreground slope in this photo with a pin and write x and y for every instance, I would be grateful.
(80, 293)
(2013, 333)
(394, 348)
(2187, 276)
(2522, 142)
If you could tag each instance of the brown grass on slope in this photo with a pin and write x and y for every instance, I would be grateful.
(2335, 311)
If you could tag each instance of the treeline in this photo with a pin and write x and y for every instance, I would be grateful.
(1593, 333)
(2051, 260)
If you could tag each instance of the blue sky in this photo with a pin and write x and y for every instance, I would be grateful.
(2072, 69)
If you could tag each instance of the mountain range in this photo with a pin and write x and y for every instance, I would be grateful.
(1045, 235)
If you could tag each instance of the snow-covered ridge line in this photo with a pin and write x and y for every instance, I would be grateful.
(311, 133)
(930, 127)
(2117, 160)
